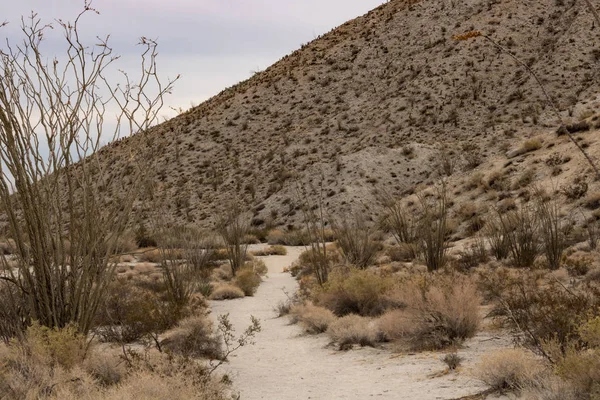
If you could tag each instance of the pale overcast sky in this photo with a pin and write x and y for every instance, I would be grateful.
(211, 43)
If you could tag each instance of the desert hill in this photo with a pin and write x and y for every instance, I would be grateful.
(388, 100)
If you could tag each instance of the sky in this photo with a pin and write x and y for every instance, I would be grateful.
(212, 44)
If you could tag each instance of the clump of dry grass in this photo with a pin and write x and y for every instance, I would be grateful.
(313, 319)
(352, 329)
(510, 369)
(226, 291)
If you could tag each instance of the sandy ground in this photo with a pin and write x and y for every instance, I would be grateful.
(286, 364)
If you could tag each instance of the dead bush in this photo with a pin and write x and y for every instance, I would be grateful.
(194, 337)
(352, 329)
(313, 319)
(226, 292)
(355, 291)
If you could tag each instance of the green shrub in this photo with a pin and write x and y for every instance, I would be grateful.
(355, 292)
(129, 313)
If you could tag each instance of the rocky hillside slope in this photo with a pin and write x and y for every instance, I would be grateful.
(388, 100)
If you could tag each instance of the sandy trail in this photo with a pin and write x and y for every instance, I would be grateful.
(286, 364)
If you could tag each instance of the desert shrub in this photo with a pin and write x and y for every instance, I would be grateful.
(13, 313)
(439, 312)
(576, 190)
(577, 265)
(355, 291)
(398, 220)
(295, 237)
(433, 229)
(510, 369)
(592, 201)
(233, 227)
(496, 180)
(524, 179)
(7, 247)
(402, 252)
(313, 319)
(194, 337)
(452, 360)
(276, 250)
(247, 280)
(496, 240)
(258, 266)
(125, 243)
(352, 329)
(129, 313)
(226, 292)
(520, 228)
(153, 256)
(531, 145)
(472, 256)
(552, 231)
(393, 325)
(107, 368)
(64, 347)
(143, 238)
(317, 258)
(356, 241)
(541, 311)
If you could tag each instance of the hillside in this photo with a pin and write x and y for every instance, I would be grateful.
(381, 102)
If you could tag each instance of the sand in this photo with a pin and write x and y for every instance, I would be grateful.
(286, 364)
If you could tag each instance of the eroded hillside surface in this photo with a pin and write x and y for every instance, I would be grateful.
(383, 101)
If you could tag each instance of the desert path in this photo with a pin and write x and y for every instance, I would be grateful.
(286, 364)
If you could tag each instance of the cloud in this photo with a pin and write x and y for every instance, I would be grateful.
(211, 43)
